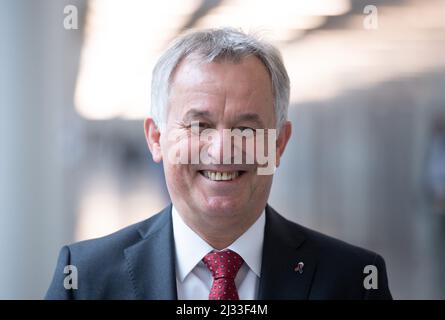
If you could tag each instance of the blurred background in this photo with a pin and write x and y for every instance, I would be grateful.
(366, 162)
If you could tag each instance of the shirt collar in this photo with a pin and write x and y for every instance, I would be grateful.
(191, 248)
(250, 244)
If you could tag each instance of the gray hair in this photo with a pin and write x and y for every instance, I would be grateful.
(212, 45)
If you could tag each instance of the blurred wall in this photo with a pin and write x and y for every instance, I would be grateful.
(38, 63)
(356, 169)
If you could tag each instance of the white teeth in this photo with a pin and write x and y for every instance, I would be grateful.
(220, 176)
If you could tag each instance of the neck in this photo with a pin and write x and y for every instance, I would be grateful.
(220, 239)
(220, 232)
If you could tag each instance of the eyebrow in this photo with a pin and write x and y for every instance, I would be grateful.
(252, 117)
(204, 114)
(194, 113)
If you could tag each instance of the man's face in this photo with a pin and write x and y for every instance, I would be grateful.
(220, 95)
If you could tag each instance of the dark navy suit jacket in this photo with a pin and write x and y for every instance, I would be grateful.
(138, 262)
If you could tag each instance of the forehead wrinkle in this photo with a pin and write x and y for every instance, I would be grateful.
(193, 97)
(249, 105)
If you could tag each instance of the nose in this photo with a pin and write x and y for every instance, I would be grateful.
(219, 149)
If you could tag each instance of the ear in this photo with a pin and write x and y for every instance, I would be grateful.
(283, 138)
(153, 136)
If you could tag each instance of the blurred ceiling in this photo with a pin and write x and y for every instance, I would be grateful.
(327, 46)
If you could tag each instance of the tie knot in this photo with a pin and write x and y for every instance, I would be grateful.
(223, 264)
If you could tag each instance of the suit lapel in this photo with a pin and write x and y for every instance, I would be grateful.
(151, 261)
(283, 249)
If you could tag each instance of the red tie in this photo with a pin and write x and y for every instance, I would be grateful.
(224, 266)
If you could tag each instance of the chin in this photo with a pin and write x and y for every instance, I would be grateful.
(219, 206)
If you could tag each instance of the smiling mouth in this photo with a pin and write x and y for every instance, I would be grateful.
(221, 176)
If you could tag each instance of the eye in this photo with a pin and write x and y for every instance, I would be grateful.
(244, 129)
(194, 124)
(204, 125)
(198, 127)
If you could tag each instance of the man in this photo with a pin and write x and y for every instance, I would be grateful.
(219, 239)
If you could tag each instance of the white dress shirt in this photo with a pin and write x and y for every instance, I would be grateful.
(193, 278)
